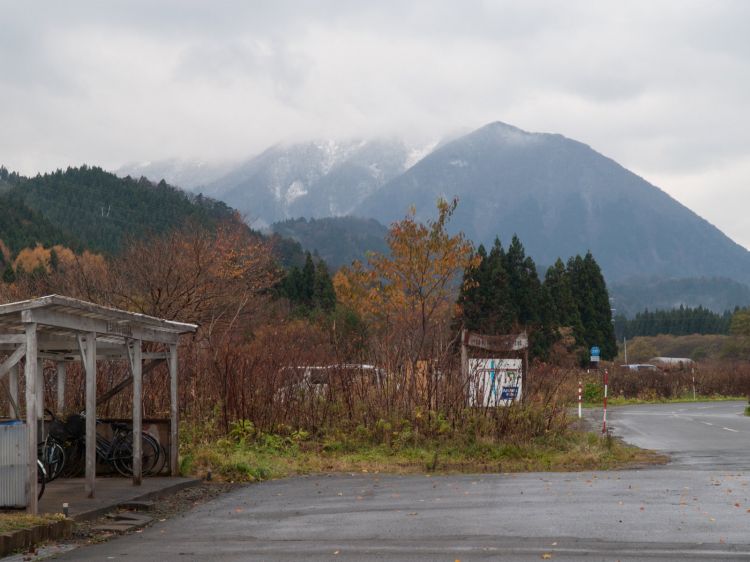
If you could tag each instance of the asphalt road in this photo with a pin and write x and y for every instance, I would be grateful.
(696, 435)
(692, 510)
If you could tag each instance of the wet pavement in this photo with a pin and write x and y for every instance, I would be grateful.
(690, 510)
(696, 435)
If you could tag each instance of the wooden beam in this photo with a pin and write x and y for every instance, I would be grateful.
(511, 342)
(75, 357)
(135, 356)
(85, 324)
(464, 358)
(12, 361)
(13, 410)
(88, 351)
(122, 317)
(12, 339)
(62, 372)
(115, 390)
(174, 439)
(31, 418)
(40, 391)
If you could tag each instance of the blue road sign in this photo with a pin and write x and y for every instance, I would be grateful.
(509, 393)
(595, 351)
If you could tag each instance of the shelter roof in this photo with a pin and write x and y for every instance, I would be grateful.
(60, 318)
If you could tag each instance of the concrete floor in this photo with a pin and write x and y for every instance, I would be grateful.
(109, 492)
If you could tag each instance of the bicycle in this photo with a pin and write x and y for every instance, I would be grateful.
(51, 454)
(117, 453)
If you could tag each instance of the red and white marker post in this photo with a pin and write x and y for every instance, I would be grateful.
(580, 395)
(604, 419)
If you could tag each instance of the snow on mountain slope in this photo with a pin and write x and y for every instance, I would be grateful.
(314, 179)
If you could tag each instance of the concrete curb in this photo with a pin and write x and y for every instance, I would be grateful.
(24, 538)
(169, 490)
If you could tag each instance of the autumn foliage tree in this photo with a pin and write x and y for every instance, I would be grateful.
(407, 296)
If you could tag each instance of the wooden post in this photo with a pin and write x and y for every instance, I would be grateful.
(526, 377)
(31, 415)
(13, 378)
(173, 406)
(464, 357)
(88, 355)
(136, 367)
(40, 392)
(62, 372)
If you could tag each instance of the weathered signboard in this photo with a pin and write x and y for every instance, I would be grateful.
(512, 342)
(495, 382)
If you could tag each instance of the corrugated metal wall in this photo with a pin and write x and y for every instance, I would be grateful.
(14, 454)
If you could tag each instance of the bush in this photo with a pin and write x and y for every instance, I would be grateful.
(593, 392)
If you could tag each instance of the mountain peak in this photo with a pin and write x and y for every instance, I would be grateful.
(562, 198)
(502, 126)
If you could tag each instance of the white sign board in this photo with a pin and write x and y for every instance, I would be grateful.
(494, 382)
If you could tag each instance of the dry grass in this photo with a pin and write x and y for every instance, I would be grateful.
(16, 521)
(570, 452)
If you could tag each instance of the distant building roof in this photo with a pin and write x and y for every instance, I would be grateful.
(639, 367)
(671, 360)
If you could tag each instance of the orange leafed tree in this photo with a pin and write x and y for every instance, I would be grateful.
(408, 295)
(192, 274)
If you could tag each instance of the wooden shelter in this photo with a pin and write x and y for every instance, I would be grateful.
(62, 330)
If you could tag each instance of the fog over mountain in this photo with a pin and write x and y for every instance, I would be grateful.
(189, 174)
(560, 196)
(315, 179)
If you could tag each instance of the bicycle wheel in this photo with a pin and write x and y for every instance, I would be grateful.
(122, 454)
(41, 479)
(53, 457)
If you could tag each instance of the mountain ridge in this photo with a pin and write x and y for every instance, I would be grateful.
(562, 198)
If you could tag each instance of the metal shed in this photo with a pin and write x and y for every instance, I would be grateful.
(63, 329)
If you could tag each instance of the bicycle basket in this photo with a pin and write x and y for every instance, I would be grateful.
(75, 425)
(58, 430)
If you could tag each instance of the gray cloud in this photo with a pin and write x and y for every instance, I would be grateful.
(659, 86)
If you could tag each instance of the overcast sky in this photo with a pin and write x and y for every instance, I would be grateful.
(660, 86)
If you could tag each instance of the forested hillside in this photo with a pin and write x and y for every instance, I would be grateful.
(683, 321)
(714, 293)
(100, 209)
(338, 240)
(22, 227)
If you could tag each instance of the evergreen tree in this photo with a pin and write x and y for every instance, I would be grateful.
(54, 260)
(682, 321)
(324, 294)
(503, 293)
(307, 282)
(592, 298)
(485, 297)
(557, 282)
(9, 276)
(309, 288)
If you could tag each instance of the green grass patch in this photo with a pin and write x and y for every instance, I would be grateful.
(251, 461)
(17, 521)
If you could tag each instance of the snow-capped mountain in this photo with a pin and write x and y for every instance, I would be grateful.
(314, 179)
(189, 174)
(561, 198)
